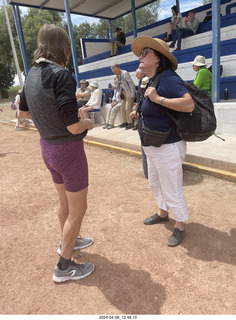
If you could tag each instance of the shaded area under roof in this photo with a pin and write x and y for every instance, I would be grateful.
(107, 9)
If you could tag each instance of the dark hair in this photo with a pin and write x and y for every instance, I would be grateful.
(164, 62)
(53, 44)
(175, 9)
(191, 11)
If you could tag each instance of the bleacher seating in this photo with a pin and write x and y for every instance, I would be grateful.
(203, 27)
(98, 65)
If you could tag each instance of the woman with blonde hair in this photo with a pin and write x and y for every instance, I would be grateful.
(48, 98)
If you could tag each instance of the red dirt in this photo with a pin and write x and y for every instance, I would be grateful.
(136, 273)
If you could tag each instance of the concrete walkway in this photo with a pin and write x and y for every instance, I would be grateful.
(212, 156)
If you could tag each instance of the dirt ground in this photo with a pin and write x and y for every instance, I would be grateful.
(136, 272)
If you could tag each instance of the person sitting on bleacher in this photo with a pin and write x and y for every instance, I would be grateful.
(120, 42)
(94, 101)
(191, 26)
(176, 22)
(113, 109)
(204, 77)
(83, 93)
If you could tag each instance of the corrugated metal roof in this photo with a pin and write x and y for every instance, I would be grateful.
(108, 9)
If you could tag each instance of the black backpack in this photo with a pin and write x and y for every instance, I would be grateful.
(199, 124)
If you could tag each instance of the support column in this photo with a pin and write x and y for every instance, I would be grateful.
(70, 28)
(16, 14)
(134, 18)
(216, 51)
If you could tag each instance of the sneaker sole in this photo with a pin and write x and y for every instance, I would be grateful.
(76, 248)
(68, 278)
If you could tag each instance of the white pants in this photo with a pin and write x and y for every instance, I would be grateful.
(112, 113)
(165, 176)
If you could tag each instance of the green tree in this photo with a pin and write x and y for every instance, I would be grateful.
(7, 64)
(32, 22)
(144, 16)
(7, 75)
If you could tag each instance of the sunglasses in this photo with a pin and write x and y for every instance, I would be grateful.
(145, 52)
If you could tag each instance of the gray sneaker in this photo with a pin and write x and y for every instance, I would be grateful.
(176, 238)
(81, 243)
(75, 271)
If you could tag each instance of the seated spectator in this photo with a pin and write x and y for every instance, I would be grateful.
(94, 101)
(113, 109)
(120, 41)
(191, 26)
(176, 22)
(83, 93)
(204, 77)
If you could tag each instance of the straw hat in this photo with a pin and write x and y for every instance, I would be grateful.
(94, 84)
(159, 45)
(84, 81)
(199, 61)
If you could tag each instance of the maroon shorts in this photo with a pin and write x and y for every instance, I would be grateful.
(67, 164)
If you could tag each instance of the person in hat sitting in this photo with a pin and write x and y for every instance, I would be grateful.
(164, 156)
(204, 77)
(120, 41)
(83, 93)
(94, 101)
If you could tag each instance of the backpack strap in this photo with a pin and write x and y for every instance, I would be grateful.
(155, 84)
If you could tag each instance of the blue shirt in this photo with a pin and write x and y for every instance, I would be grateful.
(170, 86)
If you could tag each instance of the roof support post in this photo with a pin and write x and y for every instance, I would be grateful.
(134, 18)
(16, 14)
(110, 29)
(177, 5)
(70, 28)
(216, 50)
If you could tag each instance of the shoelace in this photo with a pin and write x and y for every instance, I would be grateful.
(77, 264)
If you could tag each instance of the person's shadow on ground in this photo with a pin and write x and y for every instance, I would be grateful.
(132, 291)
(208, 244)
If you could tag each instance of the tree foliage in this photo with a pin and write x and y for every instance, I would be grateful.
(7, 65)
(7, 75)
(35, 18)
(32, 22)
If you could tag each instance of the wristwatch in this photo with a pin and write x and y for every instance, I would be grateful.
(162, 99)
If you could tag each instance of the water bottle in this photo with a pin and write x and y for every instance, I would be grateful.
(226, 95)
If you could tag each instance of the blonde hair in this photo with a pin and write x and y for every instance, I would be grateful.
(53, 44)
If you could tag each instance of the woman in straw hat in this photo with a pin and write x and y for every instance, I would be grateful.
(164, 162)
(48, 98)
(204, 77)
